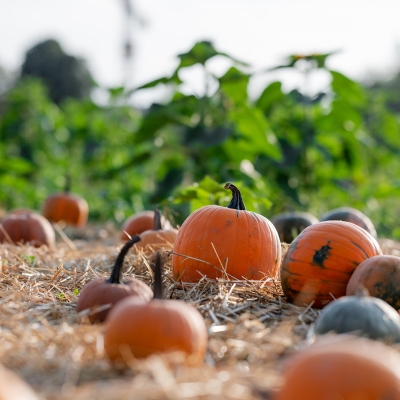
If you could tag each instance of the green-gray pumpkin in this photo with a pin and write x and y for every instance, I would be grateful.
(362, 315)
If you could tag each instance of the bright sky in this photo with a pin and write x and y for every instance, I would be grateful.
(260, 32)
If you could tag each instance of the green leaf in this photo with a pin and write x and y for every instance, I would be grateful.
(200, 53)
(234, 84)
(347, 89)
(270, 96)
(253, 136)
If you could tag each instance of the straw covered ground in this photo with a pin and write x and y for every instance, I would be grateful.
(60, 354)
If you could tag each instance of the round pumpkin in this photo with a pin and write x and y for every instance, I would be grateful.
(290, 224)
(320, 261)
(380, 275)
(100, 291)
(226, 242)
(362, 315)
(140, 222)
(353, 215)
(30, 228)
(12, 387)
(67, 207)
(348, 368)
(138, 329)
(157, 238)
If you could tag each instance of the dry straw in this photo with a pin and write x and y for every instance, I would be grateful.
(60, 354)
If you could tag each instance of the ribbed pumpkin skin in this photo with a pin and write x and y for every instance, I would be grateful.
(66, 207)
(350, 369)
(28, 228)
(246, 242)
(290, 224)
(321, 260)
(380, 275)
(140, 222)
(157, 327)
(351, 215)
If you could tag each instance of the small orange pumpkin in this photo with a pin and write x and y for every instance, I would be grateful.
(380, 275)
(353, 215)
(343, 367)
(30, 228)
(110, 291)
(321, 260)
(140, 222)
(138, 329)
(70, 208)
(157, 238)
(226, 242)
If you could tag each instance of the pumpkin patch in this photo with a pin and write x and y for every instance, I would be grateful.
(321, 260)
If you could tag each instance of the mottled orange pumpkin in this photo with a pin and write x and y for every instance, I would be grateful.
(321, 260)
(345, 368)
(380, 275)
(157, 238)
(100, 291)
(30, 228)
(290, 224)
(353, 215)
(138, 329)
(140, 222)
(70, 208)
(226, 242)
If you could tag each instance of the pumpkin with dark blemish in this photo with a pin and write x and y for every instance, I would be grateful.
(247, 247)
(290, 224)
(380, 275)
(353, 215)
(321, 260)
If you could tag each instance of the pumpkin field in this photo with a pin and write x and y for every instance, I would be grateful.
(213, 245)
(76, 312)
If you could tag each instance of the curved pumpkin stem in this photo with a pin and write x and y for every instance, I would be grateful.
(157, 286)
(237, 200)
(157, 221)
(116, 273)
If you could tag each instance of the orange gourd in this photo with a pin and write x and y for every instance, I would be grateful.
(226, 242)
(157, 238)
(137, 329)
(140, 222)
(353, 215)
(344, 368)
(100, 292)
(26, 227)
(70, 208)
(380, 275)
(321, 260)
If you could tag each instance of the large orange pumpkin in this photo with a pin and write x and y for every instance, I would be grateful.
(70, 208)
(30, 228)
(380, 275)
(226, 242)
(321, 260)
(138, 329)
(344, 368)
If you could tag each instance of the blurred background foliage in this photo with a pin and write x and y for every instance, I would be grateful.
(297, 150)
